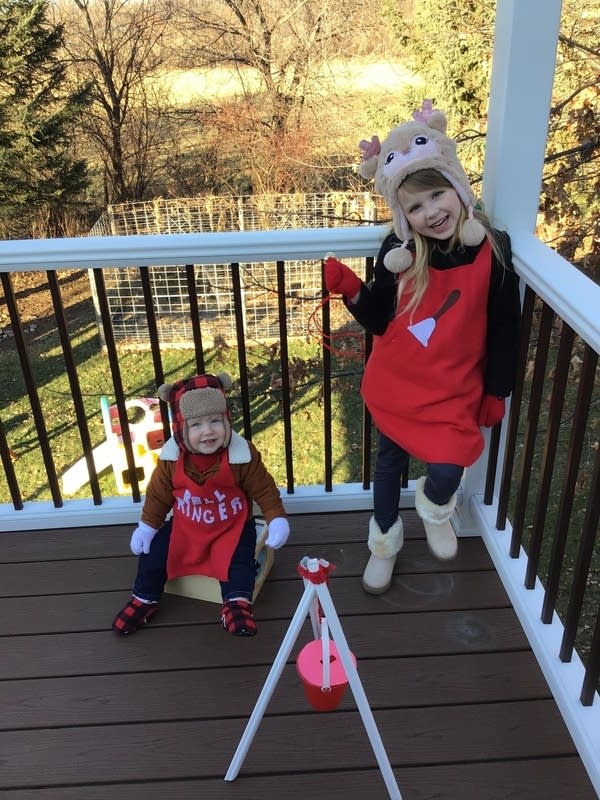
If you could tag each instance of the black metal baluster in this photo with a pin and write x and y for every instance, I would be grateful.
(561, 375)
(113, 360)
(159, 373)
(241, 347)
(34, 400)
(533, 413)
(367, 427)
(80, 415)
(9, 471)
(285, 377)
(326, 356)
(190, 273)
(565, 507)
(515, 410)
(492, 464)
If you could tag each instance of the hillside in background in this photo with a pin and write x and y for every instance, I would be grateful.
(362, 78)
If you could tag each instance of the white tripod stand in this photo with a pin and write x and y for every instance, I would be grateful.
(314, 573)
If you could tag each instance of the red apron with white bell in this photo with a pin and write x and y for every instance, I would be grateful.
(423, 382)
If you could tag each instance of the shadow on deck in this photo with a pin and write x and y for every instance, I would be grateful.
(460, 702)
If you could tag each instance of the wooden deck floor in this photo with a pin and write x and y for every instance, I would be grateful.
(460, 703)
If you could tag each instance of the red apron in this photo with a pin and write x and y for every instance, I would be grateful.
(208, 520)
(423, 382)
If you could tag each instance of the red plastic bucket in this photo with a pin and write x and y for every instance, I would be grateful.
(309, 664)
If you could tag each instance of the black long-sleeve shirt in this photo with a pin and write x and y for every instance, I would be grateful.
(376, 306)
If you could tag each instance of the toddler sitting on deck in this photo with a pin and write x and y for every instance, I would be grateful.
(209, 476)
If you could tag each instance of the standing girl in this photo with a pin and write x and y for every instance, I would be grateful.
(444, 310)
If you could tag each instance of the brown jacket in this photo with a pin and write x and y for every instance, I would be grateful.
(249, 473)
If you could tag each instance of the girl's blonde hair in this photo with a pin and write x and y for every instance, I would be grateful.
(416, 278)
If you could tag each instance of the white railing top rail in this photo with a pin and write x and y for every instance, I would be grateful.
(572, 295)
(190, 248)
(568, 291)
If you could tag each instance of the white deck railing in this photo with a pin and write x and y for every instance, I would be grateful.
(574, 297)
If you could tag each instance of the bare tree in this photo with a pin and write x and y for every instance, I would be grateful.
(277, 133)
(283, 45)
(280, 53)
(117, 45)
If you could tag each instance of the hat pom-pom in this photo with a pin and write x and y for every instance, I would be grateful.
(398, 259)
(472, 232)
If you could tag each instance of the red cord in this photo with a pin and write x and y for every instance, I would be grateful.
(315, 329)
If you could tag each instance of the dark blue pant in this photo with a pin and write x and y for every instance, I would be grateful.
(441, 482)
(152, 568)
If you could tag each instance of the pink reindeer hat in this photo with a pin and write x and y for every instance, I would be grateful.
(420, 143)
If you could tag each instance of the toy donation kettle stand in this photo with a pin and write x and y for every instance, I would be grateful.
(316, 601)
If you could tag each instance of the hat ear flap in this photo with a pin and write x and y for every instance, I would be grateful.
(437, 120)
(164, 392)
(226, 381)
(370, 157)
(368, 168)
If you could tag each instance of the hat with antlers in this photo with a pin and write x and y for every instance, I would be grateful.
(420, 143)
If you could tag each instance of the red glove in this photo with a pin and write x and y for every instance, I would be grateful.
(491, 411)
(339, 279)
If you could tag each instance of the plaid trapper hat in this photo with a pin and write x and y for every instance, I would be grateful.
(199, 396)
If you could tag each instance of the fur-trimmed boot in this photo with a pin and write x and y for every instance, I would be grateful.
(441, 538)
(384, 547)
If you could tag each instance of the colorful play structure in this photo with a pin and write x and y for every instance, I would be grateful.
(147, 438)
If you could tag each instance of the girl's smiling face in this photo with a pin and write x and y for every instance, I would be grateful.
(206, 434)
(434, 213)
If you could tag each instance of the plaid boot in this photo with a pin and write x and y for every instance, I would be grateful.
(135, 614)
(236, 616)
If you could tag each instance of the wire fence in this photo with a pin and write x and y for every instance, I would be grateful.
(213, 282)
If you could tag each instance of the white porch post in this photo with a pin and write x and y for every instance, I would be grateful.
(523, 66)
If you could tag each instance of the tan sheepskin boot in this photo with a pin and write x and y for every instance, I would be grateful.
(441, 538)
(384, 547)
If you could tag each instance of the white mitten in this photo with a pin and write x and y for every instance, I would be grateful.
(279, 530)
(141, 538)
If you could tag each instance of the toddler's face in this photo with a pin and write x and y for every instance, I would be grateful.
(206, 434)
(434, 213)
